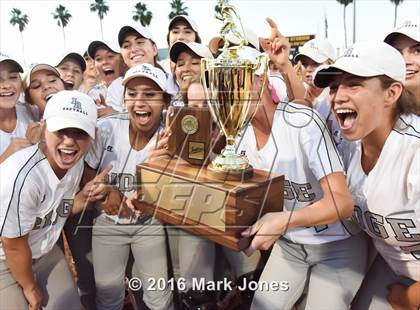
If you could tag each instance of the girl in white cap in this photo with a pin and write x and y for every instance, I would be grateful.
(406, 39)
(311, 55)
(187, 59)
(311, 243)
(375, 111)
(41, 82)
(71, 67)
(38, 193)
(14, 116)
(108, 61)
(136, 47)
(181, 28)
(125, 140)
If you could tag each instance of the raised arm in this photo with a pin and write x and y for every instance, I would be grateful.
(278, 48)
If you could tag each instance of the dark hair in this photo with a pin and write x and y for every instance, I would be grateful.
(406, 103)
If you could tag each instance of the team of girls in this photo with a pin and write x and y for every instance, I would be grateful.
(349, 148)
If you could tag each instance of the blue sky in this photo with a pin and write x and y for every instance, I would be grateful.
(43, 38)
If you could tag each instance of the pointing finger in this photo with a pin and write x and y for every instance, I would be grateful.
(104, 172)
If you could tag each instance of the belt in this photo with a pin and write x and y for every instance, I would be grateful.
(141, 219)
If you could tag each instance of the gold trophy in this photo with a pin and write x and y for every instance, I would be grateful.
(228, 82)
(220, 201)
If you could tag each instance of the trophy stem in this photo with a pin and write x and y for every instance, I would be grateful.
(229, 165)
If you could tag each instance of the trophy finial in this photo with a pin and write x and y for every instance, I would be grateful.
(231, 24)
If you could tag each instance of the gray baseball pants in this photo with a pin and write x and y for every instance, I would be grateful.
(111, 246)
(333, 272)
(53, 277)
(372, 294)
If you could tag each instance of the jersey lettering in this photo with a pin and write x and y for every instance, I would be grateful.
(297, 191)
(320, 228)
(375, 223)
(413, 249)
(358, 217)
(125, 182)
(400, 228)
(302, 193)
(288, 191)
(63, 211)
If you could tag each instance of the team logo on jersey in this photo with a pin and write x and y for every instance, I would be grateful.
(109, 148)
(76, 106)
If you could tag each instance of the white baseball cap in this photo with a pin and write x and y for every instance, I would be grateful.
(179, 46)
(72, 55)
(7, 59)
(319, 50)
(147, 71)
(35, 68)
(95, 45)
(71, 109)
(140, 30)
(217, 42)
(408, 29)
(365, 60)
(185, 18)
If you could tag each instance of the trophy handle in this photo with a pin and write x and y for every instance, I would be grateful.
(261, 64)
(204, 82)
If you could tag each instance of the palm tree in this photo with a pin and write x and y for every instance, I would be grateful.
(102, 9)
(62, 15)
(217, 9)
(142, 15)
(345, 3)
(177, 8)
(396, 3)
(20, 19)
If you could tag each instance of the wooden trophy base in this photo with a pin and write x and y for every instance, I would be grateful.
(240, 175)
(192, 198)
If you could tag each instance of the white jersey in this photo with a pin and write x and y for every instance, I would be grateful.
(112, 146)
(300, 148)
(166, 65)
(23, 117)
(115, 95)
(33, 200)
(388, 199)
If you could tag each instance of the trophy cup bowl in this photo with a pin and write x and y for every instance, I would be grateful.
(229, 85)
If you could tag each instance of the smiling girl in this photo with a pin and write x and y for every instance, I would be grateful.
(125, 140)
(406, 39)
(71, 67)
(41, 82)
(38, 193)
(376, 112)
(14, 117)
(136, 47)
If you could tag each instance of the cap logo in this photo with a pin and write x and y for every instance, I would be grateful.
(407, 24)
(349, 53)
(148, 71)
(76, 106)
